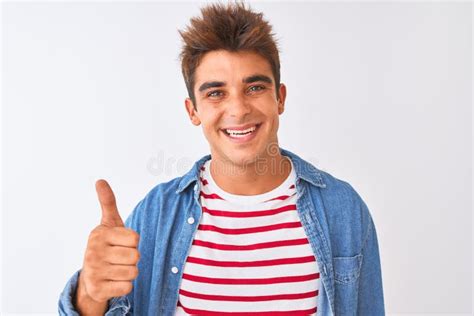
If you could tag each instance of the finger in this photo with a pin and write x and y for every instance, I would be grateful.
(110, 214)
(121, 236)
(120, 272)
(121, 255)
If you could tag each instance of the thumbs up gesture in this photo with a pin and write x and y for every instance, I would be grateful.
(110, 260)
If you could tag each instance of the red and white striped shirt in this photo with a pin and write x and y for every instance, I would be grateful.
(250, 255)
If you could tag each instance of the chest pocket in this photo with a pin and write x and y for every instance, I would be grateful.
(346, 282)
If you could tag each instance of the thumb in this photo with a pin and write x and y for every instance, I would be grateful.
(110, 214)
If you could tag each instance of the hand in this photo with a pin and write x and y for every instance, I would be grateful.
(111, 257)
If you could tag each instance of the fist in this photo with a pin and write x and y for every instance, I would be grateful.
(111, 257)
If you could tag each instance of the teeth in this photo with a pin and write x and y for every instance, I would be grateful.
(237, 133)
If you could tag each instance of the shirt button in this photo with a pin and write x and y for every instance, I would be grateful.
(191, 220)
(174, 270)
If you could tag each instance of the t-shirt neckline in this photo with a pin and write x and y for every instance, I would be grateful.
(281, 189)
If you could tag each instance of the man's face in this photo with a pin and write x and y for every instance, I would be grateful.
(235, 93)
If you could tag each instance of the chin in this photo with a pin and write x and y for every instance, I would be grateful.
(244, 157)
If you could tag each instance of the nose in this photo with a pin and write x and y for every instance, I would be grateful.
(238, 106)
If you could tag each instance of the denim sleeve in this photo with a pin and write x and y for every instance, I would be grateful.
(370, 300)
(118, 306)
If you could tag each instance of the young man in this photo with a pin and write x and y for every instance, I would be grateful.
(252, 228)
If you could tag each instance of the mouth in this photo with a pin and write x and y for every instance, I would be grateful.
(242, 135)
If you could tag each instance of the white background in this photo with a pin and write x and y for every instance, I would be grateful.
(379, 95)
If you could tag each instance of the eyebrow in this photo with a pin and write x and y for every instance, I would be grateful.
(254, 78)
(211, 84)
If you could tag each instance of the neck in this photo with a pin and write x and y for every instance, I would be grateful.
(253, 178)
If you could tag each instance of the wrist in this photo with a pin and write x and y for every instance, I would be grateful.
(86, 305)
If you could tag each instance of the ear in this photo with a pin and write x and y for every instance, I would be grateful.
(192, 113)
(281, 101)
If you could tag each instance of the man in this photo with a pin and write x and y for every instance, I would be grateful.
(252, 228)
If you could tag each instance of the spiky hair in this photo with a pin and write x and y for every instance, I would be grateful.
(232, 27)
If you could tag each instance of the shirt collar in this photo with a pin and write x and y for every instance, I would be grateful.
(303, 170)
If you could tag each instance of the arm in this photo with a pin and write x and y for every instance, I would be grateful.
(370, 300)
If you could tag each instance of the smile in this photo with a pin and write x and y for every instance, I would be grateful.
(241, 135)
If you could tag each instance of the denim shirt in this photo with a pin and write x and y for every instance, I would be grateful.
(335, 219)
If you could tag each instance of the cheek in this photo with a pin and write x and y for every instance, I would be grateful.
(210, 124)
(275, 122)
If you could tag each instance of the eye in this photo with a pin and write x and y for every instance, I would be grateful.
(213, 93)
(256, 88)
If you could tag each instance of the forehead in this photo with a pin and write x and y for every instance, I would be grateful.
(225, 65)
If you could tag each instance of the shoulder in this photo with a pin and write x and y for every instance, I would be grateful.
(339, 190)
(158, 205)
(346, 211)
(163, 190)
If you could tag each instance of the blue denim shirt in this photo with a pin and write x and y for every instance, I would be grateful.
(336, 220)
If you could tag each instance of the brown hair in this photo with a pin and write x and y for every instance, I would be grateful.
(232, 27)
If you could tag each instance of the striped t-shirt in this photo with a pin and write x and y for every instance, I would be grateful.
(250, 255)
